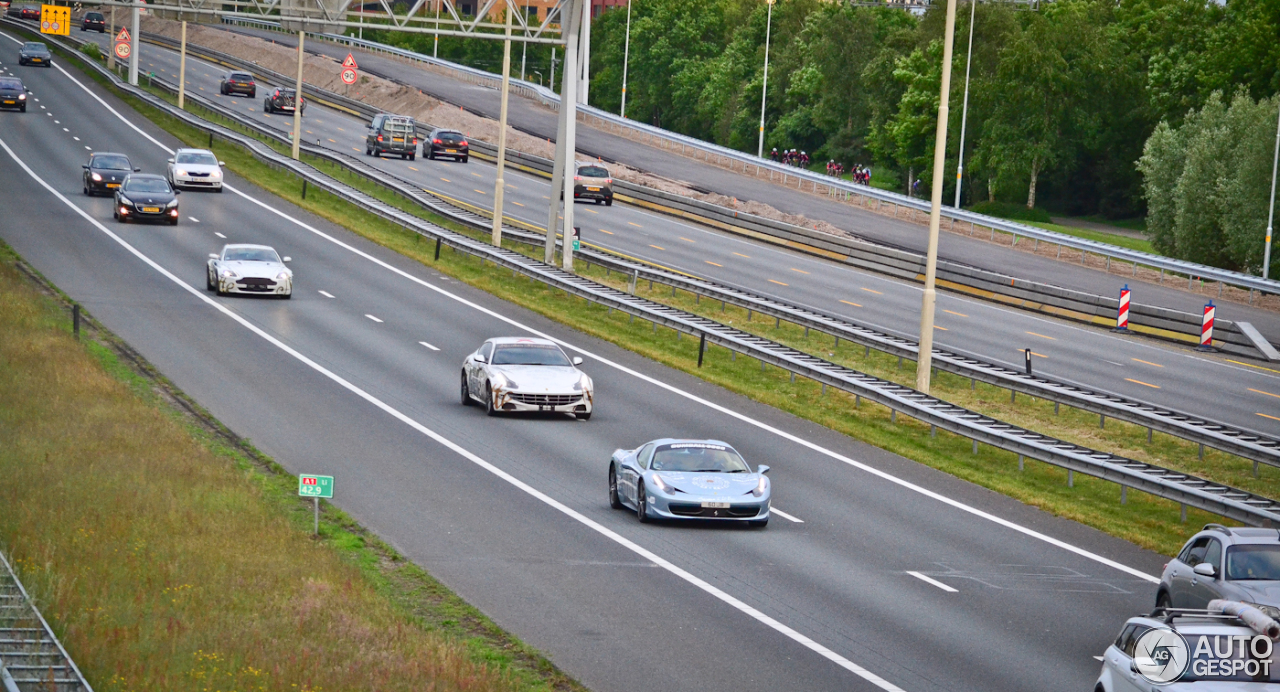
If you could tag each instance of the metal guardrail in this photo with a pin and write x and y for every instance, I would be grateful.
(1251, 446)
(31, 657)
(1188, 490)
(725, 156)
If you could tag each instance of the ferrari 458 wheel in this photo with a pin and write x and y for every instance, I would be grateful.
(464, 390)
(642, 504)
(614, 502)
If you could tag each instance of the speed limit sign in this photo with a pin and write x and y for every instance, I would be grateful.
(123, 50)
(348, 76)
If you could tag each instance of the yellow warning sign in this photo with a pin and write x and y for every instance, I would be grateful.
(55, 20)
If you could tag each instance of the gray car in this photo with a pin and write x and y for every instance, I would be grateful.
(392, 134)
(1237, 564)
(689, 479)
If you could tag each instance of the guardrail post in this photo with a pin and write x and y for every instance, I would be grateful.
(1124, 494)
(75, 323)
(1071, 478)
(702, 347)
(1020, 467)
(439, 240)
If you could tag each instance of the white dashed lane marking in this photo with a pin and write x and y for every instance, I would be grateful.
(375, 319)
(935, 582)
(326, 294)
(193, 219)
(784, 515)
(433, 348)
(220, 235)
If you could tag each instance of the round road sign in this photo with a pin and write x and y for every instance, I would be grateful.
(123, 50)
(55, 27)
(348, 76)
(44, 26)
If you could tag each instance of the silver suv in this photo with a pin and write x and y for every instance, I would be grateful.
(1236, 564)
(1173, 651)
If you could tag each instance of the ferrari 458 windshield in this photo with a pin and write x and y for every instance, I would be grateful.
(695, 457)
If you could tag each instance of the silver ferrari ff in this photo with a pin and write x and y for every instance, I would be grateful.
(689, 479)
(526, 374)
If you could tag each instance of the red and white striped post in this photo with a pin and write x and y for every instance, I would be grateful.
(1206, 328)
(1122, 314)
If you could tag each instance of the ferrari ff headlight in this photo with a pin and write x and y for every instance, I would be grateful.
(96, 178)
(502, 381)
(583, 384)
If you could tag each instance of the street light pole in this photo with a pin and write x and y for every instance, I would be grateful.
(925, 360)
(626, 57)
(297, 99)
(1271, 214)
(964, 112)
(764, 90)
(435, 46)
(498, 187)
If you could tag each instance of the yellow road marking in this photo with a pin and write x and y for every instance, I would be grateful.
(635, 224)
(1037, 355)
(742, 255)
(312, 133)
(1259, 391)
(512, 187)
(544, 196)
(1144, 384)
(1251, 365)
(477, 174)
(604, 231)
(856, 305)
(799, 270)
(687, 240)
(1147, 362)
(334, 141)
(355, 148)
(446, 180)
(713, 263)
(412, 168)
(1042, 336)
(957, 314)
(517, 203)
(480, 191)
(1266, 416)
(340, 129)
(777, 282)
(655, 246)
(937, 327)
(872, 290)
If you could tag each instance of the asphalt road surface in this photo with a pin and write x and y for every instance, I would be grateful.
(1222, 388)
(357, 377)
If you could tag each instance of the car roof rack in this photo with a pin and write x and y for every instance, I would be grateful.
(1217, 527)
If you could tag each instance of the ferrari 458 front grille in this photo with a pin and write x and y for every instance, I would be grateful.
(690, 509)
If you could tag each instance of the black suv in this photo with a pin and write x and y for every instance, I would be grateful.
(105, 172)
(449, 143)
(280, 100)
(35, 53)
(93, 21)
(13, 94)
(238, 83)
(392, 134)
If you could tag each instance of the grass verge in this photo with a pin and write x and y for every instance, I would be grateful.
(1145, 520)
(168, 555)
(1140, 244)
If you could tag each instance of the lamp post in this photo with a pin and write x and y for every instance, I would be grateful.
(499, 184)
(626, 56)
(764, 89)
(1271, 214)
(925, 359)
(964, 112)
(435, 45)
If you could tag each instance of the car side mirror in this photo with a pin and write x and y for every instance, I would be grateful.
(287, 259)
(762, 469)
(577, 360)
(479, 358)
(221, 163)
(1205, 569)
(137, 170)
(177, 192)
(170, 160)
(213, 255)
(86, 166)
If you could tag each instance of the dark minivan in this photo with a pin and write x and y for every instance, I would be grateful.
(392, 134)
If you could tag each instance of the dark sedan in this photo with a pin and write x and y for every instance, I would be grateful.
(146, 197)
(450, 143)
(13, 94)
(93, 21)
(105, 172)
(238, 83)
(35, 53)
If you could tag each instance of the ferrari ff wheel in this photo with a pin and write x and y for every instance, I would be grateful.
(464, 390)
(488, 400)
(583, 415)
(642, 504)
(614, 502)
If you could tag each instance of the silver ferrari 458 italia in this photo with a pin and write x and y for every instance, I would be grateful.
(689, 479)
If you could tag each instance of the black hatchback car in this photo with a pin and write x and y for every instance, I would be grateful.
(449, 143)
(35, 53)
(93, 21)
(238, 83)
(146, 197)
(105, 172)
(13, 94)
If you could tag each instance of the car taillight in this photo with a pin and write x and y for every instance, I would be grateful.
(463, 143)
(379, 138)
(577, 177)
(436, 141)
(608, 181)
(415, 140)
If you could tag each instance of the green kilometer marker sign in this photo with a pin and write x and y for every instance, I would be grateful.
(315, 486)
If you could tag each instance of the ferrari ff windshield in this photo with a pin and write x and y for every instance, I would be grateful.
(1253, 562)
(530, 354)
(146, 185)
(250, 254)
(698, 457)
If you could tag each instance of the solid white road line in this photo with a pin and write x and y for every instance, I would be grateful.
(375, 319)
(935, 582)
(466, 454)
(433, 348)
(220, 235)
(326, 294)
(784, 515)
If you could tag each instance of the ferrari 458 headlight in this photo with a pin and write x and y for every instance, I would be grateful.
(660, 484)
(96, 178)
(759, 490)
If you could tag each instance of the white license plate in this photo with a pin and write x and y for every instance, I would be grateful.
(151, 210)
(715, 505)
